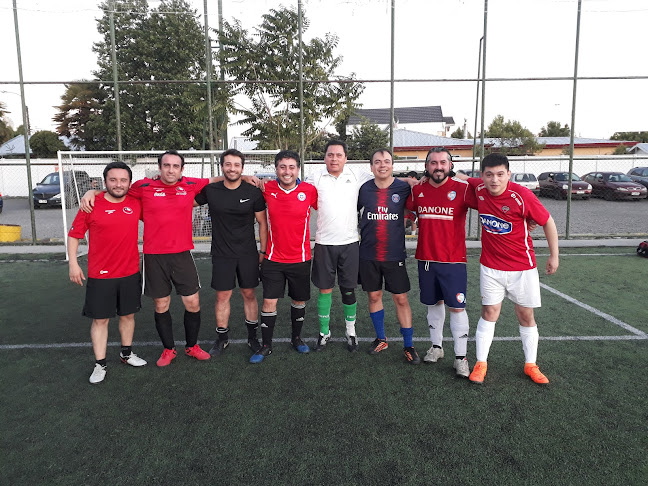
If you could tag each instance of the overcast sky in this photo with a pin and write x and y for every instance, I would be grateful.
(434, 39)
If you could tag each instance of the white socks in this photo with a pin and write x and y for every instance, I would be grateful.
(529, 337)
(484, 338)
(459, 328)
(435, 319)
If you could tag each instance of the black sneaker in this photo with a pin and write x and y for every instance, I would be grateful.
(254, 345)
(411, 356)
(299, 345)
(322, 341)
(378, 345)
(260, 354)
(218, 348)
(352, 344)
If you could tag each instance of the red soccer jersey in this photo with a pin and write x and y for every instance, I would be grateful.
(167, 210)
(441, 215)
(112, 250)
(288, 222)
(506, 242)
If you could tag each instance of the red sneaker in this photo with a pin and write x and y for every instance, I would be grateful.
(167, 356)
(197, 352)
(479, 372)
(533, 372)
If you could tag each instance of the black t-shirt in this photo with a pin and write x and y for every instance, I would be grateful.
(232, 216)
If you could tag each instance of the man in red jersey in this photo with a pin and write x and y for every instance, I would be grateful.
(441, 203)
(114, 279)
(288, 253)
(508, 265)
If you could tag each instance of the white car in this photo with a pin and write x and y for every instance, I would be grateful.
(527, 180)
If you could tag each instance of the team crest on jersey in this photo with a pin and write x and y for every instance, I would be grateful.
(301, 196)
(180, 191)
(506, 209)
(452, 195)
(395, 198)
(461, 298)
(127, 210)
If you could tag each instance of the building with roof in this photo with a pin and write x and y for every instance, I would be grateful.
(427, 119)
(639, 149)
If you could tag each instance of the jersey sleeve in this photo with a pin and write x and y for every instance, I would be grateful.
(201, 197)
(200, 184)
(136, 189)
(259, 202)
(79, 225)
(313, 195)
(470, 197)
(363, 176)
(534, 208)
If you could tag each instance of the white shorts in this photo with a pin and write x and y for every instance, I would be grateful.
(521, 287)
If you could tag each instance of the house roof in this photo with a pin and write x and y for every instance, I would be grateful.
(414, 114)
(640, 148)
(14, 146)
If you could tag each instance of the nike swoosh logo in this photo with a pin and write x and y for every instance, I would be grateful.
(243, 200)
(103, 271)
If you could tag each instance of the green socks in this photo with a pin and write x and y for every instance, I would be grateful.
(324, 312)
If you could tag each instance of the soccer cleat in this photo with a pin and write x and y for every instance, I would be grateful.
(352, 343)
(433, 355)
(167, 356)
(322, 341)
(254, 345)
(378, 345)
(533, 372)
(218, 348)
(411, 356)
(196, 351)
(132, 359)
(98, 374)
(260, 354)
(299, 345)
(479, 372)
(461, 367)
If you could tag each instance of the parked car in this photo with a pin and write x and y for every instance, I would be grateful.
(556, 184)
(48, 191)
(615, 185)
(1, 203)
(639, 174)
(527, 180)
(470, 173)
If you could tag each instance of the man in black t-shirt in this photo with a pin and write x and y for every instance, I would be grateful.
(234, 207)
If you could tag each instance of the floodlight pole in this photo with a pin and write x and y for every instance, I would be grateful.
(483, 78)
(25, 117)
(113, 53)
(573, 120)
(481, 40)
(208, 70)
(302, 148)
(391, 81)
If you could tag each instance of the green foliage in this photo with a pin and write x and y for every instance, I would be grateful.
(271, 52)
(366, 138)
(636, 136)
(620, 150)
(459, 133)
(80, 103)
(553, 129)
(44, 144)
(6, 132)
(514, 138)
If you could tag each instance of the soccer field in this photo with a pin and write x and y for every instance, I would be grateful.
(331, 417)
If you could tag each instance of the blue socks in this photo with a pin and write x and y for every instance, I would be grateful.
(378, 319)
(408, 334)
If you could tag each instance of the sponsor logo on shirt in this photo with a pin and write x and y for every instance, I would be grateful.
(127, 210)
(395, 198)
(101, 272)
(110, 211)
(493, 224)
(301, 196)
(159, 192)
(420, 195)
(382, 214)
(452, 195)
(274, 194)
(435, 210)
(243, 200)
(481, 198)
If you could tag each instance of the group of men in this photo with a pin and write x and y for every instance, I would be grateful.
(282, 210)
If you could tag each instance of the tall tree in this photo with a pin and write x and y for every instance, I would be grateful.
(636, 136)
(514, 138)
(366, 138)
(78, 105)
(554, 129)
(6, 132)
(44, 144)
(271, 53)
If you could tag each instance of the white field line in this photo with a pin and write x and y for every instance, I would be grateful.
(5, 347)
(597, 312)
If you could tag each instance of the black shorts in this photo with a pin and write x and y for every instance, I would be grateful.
(331, 259)
(372, 273)
(274, 276)
(226, 271)
(162, 270)
(443, 281)
(108, 297)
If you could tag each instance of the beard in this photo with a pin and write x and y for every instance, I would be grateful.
(232, 177)
(439, 176)
(115, 194)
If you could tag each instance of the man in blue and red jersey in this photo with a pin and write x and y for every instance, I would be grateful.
(508, 265)
(288, 254)
(441, 203)
(382, 250)
(114, 279)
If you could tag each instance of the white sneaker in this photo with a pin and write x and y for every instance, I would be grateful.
(461, 367)
(98, 374)
(132, 360)
(433, 355)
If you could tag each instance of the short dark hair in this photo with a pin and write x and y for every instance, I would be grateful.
(170, 152)
(438, 150)
(494, 160)
(412, 173)
(335, 142)
(117, 165)
(287, 154)
(380, 151)
(235, 152)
